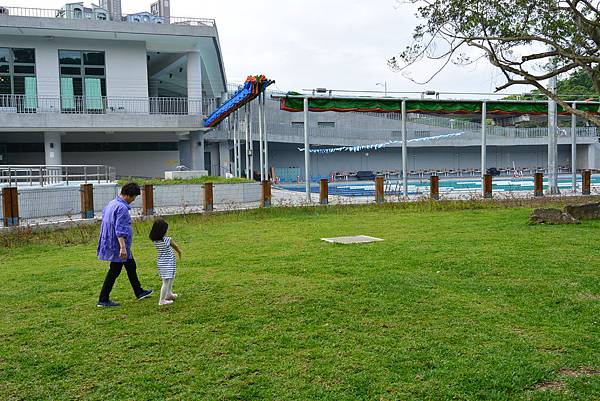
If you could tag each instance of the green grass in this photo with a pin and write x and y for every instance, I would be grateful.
(200, 180)
(468, 304)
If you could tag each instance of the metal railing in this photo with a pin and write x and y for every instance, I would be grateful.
(47, 174)
(27, 104)
(100, 15)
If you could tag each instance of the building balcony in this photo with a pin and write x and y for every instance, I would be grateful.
(83, 113)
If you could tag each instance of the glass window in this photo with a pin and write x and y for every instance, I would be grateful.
(69, 57)
(4, 55)
(5, 85)
(93, 58)
(4, 69)
(24, 69)
(70, 70)
(94, 71)
(25, 56)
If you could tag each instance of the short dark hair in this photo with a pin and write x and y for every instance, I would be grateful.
(131, 189)
(159, 229)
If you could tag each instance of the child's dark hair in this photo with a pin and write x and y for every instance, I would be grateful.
(159, 229)
(131, 189)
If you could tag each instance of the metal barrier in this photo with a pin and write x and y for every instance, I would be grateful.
(99, 15)
(46, 174)
(27, 104)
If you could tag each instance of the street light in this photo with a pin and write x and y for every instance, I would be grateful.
(384, 84)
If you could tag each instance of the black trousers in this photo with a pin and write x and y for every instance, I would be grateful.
(113, 273)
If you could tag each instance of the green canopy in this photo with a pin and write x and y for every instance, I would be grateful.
(294, 103)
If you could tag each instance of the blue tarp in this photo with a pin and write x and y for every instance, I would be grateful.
(245, 94)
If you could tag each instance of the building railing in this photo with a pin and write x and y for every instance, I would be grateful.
(41, 175)
(26, 104)
(98, 15)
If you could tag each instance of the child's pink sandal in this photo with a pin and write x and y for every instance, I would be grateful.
(165, 302)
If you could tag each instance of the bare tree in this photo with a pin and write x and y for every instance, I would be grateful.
(530, 41)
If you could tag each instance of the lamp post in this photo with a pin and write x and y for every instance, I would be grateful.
(384, 84)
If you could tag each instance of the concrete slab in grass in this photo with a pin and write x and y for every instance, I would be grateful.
(358, 239)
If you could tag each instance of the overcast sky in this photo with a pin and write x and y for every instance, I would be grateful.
(337, 44)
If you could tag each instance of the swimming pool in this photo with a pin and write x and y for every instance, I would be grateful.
(421, 186)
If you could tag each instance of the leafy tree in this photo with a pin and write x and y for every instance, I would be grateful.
(529, 41)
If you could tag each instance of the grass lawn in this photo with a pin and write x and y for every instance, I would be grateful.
(455, 304)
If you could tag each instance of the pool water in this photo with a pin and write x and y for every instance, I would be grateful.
(421, 186)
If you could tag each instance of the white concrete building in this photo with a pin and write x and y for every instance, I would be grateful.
(86, 85)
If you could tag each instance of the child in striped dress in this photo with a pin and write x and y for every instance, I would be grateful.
(166, 260)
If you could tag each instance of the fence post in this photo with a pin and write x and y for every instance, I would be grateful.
(487, 186)
(208, 197)
(148, 200)
(266, 193)
(87, 201)
(379, 198)
(434, 186)
(324, 192)
(10, 206)
(586, 183)
(538, 184)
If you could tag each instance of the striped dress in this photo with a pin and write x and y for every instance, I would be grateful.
(166, 258)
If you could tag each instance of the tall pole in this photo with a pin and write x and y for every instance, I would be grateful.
(574, 150)
(483, 141)
(260, 139)
(404, 152)
(552, 143)
(265, 135)
(306, 152)
(247, 123)
(251, 143)
(235, 148)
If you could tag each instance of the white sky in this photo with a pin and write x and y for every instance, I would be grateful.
(337, 44)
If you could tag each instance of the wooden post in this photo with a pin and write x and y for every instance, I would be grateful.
(379, 198)
(10, 206)
(538, 184)
(86, 192)
(586, 183)
(487, 186)
(148, 200)
(208, 197)
(434, 185)
(266, 193)
(324, 192)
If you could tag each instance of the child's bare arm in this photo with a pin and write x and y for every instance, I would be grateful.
(176, 247)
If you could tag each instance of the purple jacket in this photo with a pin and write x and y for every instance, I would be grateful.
(116, 222)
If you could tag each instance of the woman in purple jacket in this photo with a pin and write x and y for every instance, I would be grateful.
(114, 246)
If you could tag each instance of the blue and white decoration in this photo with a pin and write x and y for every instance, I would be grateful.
(360, 148)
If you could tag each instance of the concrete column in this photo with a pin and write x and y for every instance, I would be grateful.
(197, 150)
(194, 82)
(185, 151)
(52, 148)
(224, 159)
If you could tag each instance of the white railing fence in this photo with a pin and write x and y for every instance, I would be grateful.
(42, 175)
(100, 15)
(27, 104)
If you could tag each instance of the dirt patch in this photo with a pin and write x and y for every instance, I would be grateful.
(558, 385)
(584, 371)
(550, 386)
